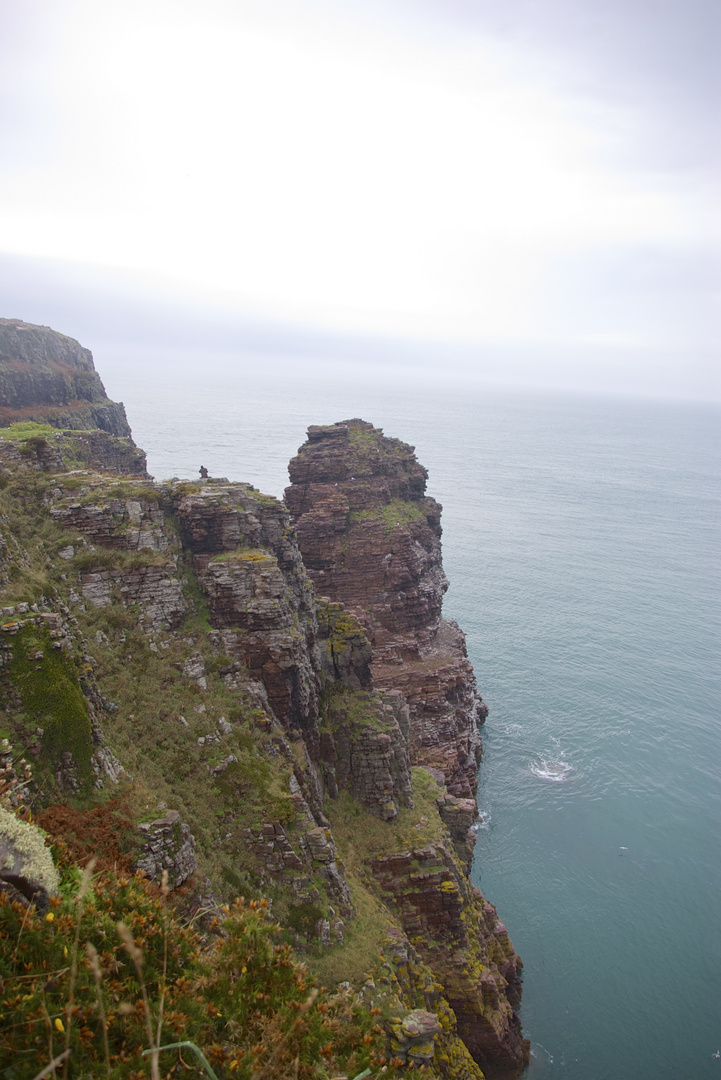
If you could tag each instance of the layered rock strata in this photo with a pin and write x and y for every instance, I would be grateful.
(49, 378)
(168, 845)
(267, 709)
(59, 451)
(259, 595)
(459, 935)
(370, 539)
(364, 750)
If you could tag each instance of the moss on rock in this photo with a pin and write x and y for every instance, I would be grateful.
(47, 682)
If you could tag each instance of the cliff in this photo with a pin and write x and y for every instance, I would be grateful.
(182, 699)
(48, 378)
(371, 539)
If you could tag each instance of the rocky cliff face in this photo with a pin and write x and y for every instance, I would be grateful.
(370, 538)
(259, 595)
(50, 379)
(167, 641)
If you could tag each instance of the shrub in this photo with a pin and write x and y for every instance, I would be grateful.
(110, 969)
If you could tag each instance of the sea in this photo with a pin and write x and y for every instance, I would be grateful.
(581, 539)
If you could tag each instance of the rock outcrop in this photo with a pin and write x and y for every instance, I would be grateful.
(364, 749)
(58, 451)
(177, 628)
(168, 845)
(370, 539)
(27, 872)
(49, 378)
(458, 934)
(259, 595)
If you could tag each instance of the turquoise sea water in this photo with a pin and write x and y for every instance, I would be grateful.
(581, 539)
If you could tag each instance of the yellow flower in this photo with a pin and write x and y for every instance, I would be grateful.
(65, 951)
(59, 1024)
(49, 917)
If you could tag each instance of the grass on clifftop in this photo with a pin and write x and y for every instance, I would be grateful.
(243, 554)
(26, 429)
(161, 716)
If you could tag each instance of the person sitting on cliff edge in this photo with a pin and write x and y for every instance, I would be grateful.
(203, 472)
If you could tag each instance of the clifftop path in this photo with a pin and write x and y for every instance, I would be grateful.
(371, 540)
(49, 378)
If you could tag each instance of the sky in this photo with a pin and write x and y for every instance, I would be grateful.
(511, 190)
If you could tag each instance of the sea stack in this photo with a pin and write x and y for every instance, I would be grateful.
(371, 540)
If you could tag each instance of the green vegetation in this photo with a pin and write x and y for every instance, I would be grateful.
(26, 429)
(110, 971)
(369, 443)
(189, 725)
(337, 626)
(126, 489)
(48, 685)
(269, 502)
(350, 710)
(364, 936)
(396, 512)
(361, 837)
(103, 558)
(162, 751)
(243, 554)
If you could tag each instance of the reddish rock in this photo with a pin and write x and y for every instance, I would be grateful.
(370, 539)
(458, 934)
(248, 564)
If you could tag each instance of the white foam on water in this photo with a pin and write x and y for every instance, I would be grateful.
(509, 728)
(551, 769)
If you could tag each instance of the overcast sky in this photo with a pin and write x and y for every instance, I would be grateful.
(530, 183)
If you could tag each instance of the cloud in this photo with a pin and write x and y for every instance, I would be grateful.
(348, 167)
(141, 328)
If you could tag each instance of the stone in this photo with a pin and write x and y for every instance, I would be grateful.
(154, 588)
(50, 379)
(412, 1037)
(366, 752)
(370, 539)
(457, 932)
(259, 595)
(168, 845)
(27, 870)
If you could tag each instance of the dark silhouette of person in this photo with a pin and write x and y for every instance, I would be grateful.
(203, 472)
